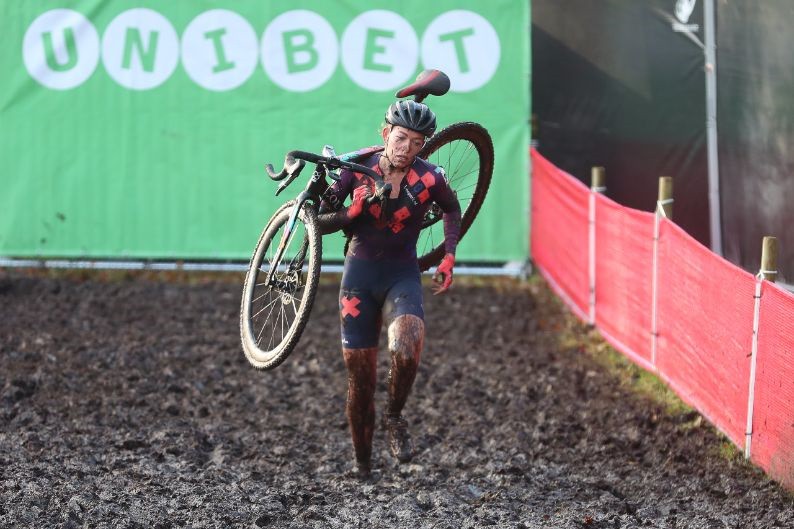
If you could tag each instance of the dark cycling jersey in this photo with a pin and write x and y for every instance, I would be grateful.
(390, 230)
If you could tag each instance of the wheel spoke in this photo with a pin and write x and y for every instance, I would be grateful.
(282, 318)
(272, 337)
(272, 305)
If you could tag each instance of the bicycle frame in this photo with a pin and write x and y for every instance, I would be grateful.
(315, 188)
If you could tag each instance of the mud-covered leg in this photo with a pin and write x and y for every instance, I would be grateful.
(361, 378)
(406, 338)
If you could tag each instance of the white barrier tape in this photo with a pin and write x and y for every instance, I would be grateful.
(654, 284)
(599, 189)
(591, 262)
(762, 273)
(660, 210)
(753, 361)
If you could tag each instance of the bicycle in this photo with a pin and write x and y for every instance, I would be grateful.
(282, 276)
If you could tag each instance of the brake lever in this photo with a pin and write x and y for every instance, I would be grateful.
(292, 166)
(288, 181)
(292, 169)
(380, 193)
(332, 169)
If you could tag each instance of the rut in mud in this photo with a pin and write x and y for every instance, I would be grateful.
(128, 403)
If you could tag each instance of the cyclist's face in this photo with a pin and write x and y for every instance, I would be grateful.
(402, 145)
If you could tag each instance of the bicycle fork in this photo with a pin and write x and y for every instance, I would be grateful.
(286, 238)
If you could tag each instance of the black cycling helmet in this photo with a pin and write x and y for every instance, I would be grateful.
(412, 115)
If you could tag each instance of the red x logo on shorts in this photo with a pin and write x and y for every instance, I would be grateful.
(349, 306)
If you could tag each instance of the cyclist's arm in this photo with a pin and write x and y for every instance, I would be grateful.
(446, 199)
(333, 216)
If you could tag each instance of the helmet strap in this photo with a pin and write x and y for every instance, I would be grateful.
(391, 165)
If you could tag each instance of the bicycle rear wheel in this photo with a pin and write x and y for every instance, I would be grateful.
(275, 311)
(465, 152)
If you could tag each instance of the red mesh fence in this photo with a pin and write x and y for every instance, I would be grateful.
(624, 258)
(559, 232)
(704, 311)
(773, 416)
(705, 329)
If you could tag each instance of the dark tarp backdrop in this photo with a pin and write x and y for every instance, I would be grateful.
(755, 74)
(621, 84)
(616, 86)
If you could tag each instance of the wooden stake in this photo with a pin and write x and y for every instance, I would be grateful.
(597, 179)
(666, 195)
(769, 259)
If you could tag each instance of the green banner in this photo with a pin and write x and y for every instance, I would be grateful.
(139, 129)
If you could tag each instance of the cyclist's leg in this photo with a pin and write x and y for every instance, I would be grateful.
(406, 331)
(360, 409)
(360, 320)
(406, 339)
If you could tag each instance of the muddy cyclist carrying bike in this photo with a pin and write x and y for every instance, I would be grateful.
(381, 282)
(397, 195)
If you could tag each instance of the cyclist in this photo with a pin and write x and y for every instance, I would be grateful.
(381, 279)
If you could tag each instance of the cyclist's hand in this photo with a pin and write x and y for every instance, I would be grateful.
(443, 275)
(360, 196)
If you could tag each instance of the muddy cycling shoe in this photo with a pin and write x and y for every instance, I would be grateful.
(363, 469)
(400, 444)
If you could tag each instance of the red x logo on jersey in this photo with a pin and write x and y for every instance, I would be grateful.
(428, 179)
(402, 214)
(349, 306)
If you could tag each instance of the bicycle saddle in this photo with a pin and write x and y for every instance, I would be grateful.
(429, 82)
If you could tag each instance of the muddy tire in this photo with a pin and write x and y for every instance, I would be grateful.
(273, 315)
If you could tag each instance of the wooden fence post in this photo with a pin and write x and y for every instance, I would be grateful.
(666, 196)
(598, 179)
(769, 258)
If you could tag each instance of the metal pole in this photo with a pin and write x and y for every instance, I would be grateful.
(509, 269)
(710, 30)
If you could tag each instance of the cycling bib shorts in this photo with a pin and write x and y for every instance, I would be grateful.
(372, 290)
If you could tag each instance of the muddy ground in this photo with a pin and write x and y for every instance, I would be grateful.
(127, 402)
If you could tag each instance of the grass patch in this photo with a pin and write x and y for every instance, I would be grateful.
(637, 379)
(728, 450)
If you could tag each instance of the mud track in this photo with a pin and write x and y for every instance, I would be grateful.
(128, 403)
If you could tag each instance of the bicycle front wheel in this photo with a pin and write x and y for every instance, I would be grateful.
(465, 152)
(279, 292)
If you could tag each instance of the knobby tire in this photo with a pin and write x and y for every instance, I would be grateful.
(268, 338)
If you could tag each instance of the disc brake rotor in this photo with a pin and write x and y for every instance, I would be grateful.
(287, 284)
